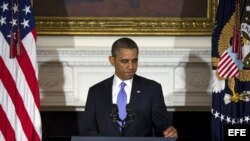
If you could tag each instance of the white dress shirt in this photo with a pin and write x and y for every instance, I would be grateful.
(117, 86)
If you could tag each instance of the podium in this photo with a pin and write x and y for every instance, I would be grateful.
(77, 138)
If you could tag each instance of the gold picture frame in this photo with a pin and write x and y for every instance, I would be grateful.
(148, 26)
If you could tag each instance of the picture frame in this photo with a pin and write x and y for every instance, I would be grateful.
(196, 18)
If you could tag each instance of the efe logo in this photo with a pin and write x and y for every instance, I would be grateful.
(237, 132)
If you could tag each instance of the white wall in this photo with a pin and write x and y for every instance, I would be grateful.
(68, 65)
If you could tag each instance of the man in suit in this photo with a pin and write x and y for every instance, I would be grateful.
(144, 112)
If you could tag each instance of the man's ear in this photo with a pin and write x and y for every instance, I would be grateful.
(111, 60)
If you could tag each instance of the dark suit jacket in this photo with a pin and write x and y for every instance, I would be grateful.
(146, 103)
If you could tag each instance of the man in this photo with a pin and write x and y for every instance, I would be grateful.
(142, 113)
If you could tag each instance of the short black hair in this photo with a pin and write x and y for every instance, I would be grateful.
(123, 43)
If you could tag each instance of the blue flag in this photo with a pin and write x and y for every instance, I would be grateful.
(231, 66)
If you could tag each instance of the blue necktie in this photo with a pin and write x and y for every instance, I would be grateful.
(121, 103)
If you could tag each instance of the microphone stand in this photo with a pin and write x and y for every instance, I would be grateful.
(115, 118)
(130, 115)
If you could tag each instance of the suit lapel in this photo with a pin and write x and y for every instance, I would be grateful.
(135, 92)
(135, 97)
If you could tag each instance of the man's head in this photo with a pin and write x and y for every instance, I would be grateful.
(124, 58)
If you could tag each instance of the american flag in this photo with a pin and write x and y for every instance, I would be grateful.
(19, 91)
(227, 68)
(231, 67)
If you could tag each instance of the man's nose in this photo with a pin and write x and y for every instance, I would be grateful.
(130, 65)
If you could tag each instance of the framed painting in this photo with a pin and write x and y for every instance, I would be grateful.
(125, 17)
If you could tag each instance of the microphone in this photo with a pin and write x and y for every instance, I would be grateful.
(114, 116)
(114, 113)
(130, 114)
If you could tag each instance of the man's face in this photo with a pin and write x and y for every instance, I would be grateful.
(125, 63)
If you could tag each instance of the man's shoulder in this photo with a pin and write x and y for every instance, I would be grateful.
(103, 83)
(142, 79)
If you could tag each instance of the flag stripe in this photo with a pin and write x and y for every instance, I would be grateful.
(222, 63)
(9, 110)
(28, 69)
(227, 67)
(226, 71)
(18, 106)
(31, 78)
(5, 127)
(29, 42)
(1, 136)
(232, 71)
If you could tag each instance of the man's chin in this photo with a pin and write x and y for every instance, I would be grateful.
(130, 76)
